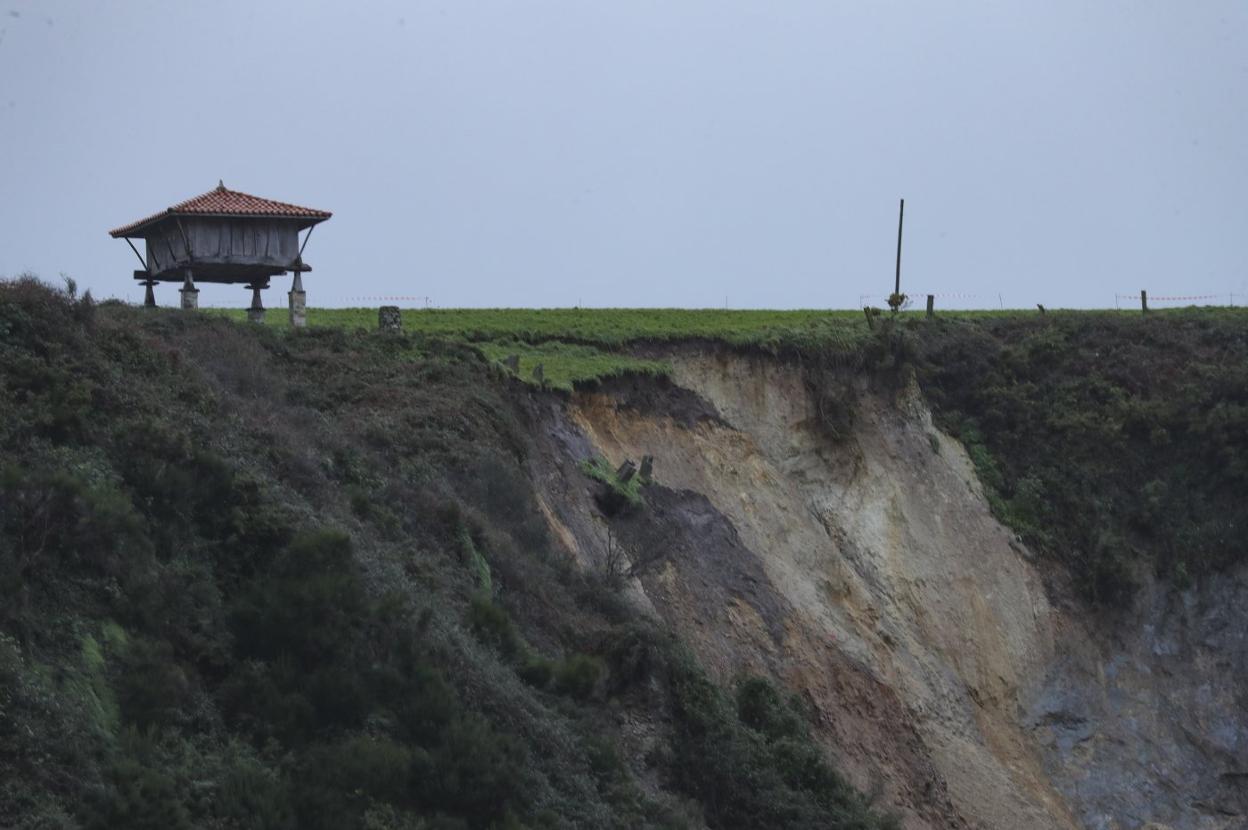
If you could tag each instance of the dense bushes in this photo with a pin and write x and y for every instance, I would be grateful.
(192, 658)
(252, 581)
(754, 764)
(1111, 442)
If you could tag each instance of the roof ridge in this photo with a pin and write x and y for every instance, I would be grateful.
(221, 201)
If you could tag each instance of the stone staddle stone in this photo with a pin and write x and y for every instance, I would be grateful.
(389, 319)
(298, 308)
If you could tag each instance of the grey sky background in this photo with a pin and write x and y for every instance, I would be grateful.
(645, 153)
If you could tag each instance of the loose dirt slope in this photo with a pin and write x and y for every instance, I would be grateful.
(869, 574)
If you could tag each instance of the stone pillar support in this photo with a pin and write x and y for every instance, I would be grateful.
(255, 314)
(149, 296)
(298, 299)
(190, 294)
(390, 319)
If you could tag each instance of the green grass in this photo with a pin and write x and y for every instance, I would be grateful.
(581, 345)
(627, 326)
(566, 364)
(599, 469)
(601, 326)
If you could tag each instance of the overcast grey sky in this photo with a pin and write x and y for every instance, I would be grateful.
(645, 153)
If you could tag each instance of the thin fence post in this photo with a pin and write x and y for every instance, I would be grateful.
(1143, 300)
(931, 301)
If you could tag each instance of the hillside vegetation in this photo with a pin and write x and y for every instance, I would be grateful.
(1113, 442)
(256, 580)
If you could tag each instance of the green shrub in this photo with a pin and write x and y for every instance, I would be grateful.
(138, 797)
(476, 562)
(334, 783)
(492, 626)
(761, 708)
(253, 797)
(299, 627)
(477, 773)
(420, 699)
(1111, 443)
(578, 675)
(53, 517)
(765, 773)
(309, 605)
(537, 671)
(634, 654)
(151, 687)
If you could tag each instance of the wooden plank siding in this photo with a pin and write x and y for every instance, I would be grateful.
(210, 246)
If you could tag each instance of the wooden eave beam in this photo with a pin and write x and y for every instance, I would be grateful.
(136, 253)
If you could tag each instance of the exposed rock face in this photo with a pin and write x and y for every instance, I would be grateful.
(1148, 719)
(869, 575)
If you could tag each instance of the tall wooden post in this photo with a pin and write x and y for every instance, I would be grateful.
(1143, 301)
(901, 217)
(931, 302)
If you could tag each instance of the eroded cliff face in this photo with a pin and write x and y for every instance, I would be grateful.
(868, 574)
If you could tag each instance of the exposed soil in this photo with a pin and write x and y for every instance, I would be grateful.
(868, 574)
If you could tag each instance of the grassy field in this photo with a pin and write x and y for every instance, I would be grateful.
(576, 345)
(622, 326)
(580, 345)
(601, 326)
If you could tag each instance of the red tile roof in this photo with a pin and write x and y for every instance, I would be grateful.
(222, 202)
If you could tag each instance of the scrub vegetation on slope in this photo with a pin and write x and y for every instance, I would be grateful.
(262, 581)
(1114, 442)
